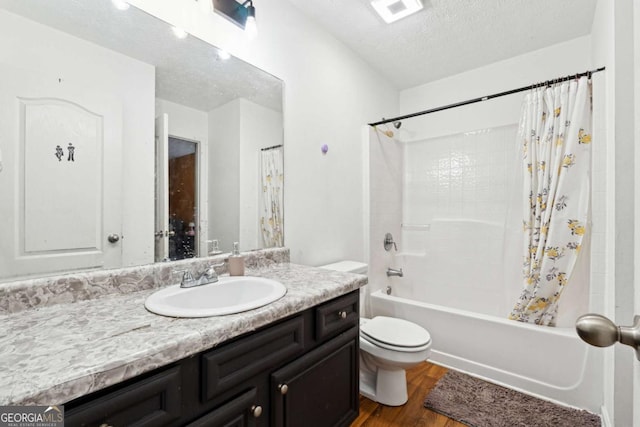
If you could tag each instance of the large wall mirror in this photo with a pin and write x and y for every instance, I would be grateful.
(122, 144)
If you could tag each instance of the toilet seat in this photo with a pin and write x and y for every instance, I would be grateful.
(395, 334)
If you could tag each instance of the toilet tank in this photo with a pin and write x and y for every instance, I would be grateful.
(347, 267)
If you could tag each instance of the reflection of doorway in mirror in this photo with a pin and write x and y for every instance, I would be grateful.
(180, 177)
(182, 198)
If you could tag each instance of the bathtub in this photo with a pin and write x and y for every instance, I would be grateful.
(550, 363)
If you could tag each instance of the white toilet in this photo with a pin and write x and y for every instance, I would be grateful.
(388, 346)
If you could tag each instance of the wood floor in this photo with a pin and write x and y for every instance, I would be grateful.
(420, 380)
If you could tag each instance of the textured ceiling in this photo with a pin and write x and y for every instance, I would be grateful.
(188, 71)
(449, 36)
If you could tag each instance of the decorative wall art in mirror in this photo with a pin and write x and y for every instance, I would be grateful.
(123, 144)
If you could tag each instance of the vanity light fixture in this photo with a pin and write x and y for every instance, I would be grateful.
(393, 10)
(121, 4)
(241, 14)
(179, 32)
(250, 27)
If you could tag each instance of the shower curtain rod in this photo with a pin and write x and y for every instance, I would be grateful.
(486, 98)
(271, 148)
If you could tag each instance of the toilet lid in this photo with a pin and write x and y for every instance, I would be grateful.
(395, 332)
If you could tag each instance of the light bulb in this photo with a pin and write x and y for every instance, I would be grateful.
(120, 4)
(179, 32)
(223, 54)
(251, 28)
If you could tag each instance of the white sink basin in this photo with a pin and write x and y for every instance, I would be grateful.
(226, 296)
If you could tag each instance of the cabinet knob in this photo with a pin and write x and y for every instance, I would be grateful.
(342, 314)
(105, 425)
(256, 410)
(283, 388)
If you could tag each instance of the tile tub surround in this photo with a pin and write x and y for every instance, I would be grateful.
(84, 285)
(53, 354)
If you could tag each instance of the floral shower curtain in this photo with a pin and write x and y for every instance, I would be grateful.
(272, 180)
(555, 138)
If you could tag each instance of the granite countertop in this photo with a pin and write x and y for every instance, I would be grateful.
(53, 354)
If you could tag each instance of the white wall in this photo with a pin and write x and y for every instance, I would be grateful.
(224, 179)
(132, 83)
(193, 125)
(558, 60)
(260, 127)
(184, 122)
(329, 94)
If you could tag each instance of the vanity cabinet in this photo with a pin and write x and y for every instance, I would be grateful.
(301, 370)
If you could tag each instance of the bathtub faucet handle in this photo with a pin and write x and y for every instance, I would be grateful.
(389, 242)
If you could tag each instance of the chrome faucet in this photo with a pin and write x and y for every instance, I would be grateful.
(394, 272)
(208, 276)
(187, 279)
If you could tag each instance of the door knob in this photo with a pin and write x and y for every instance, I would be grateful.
(599, 331)
(113, 238)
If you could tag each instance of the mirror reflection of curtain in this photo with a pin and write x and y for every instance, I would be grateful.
(272, 181)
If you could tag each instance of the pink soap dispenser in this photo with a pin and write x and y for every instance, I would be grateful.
(236, 261)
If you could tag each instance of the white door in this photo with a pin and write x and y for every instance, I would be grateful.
(162, 188)
(61, 181)
(636, 366)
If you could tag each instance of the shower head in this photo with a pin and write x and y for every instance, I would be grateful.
(397, 124)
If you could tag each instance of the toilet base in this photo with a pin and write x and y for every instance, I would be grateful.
(388, 387)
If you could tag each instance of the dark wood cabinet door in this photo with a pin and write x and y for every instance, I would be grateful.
(319, 389)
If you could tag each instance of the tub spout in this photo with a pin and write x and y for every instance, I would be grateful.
(394, 272)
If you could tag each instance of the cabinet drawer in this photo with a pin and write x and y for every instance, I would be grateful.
(154, 401)
(337, 315)
(242, 411)
(234, 363)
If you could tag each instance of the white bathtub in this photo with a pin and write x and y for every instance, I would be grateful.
(551, 363)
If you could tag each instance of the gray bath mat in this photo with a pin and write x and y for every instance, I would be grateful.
(478, 403)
